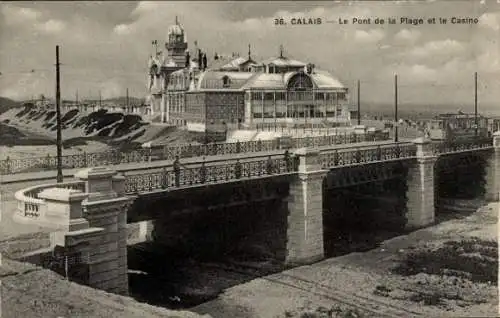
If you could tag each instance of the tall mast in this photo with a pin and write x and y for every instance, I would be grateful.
(395, 108)
(58, 118)
(359, 105)
(475, 104)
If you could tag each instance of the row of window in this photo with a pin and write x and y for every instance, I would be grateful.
(297, 96)
(293, 115)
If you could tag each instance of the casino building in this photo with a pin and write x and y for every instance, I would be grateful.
(238, 92)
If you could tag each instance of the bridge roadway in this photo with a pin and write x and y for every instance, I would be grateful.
(28, 179)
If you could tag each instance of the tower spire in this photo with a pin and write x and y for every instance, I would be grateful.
(281, 50)
(176, 20)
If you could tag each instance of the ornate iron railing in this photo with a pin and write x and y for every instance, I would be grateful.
(188, 151)
(214, 172)
(367, 154)
(83, 160)
(28, 203)
(114, 157)
(457, 147)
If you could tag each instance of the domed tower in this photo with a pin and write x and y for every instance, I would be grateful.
(176, 44)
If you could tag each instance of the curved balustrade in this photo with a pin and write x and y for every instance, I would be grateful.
(28, 203)
(367, 154)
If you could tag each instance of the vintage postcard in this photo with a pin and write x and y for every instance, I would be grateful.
(249, 159)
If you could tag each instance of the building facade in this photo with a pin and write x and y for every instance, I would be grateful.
(240, 93)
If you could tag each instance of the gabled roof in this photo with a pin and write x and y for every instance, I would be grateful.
(214, 80)
(237, 62)
(324, 79)
(284, 61)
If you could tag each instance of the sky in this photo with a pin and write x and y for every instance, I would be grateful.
(105, 46)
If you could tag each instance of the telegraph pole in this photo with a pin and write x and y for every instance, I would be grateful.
(475, 104)
(395, 108)
(127, 98)
(359, 106)
(58, 118)
(100, 100)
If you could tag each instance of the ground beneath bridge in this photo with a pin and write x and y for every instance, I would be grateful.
(449, 269)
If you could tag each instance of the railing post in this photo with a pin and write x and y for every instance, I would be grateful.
(8, 167)
(203, 172)
(177, 171)
(85, 163)
(420, 190)
(269, 165)
(237, 169)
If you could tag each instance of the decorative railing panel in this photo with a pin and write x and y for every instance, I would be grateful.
(367, 154)
(208, 173)
(456, 147)
(114, 157)
(83, 160)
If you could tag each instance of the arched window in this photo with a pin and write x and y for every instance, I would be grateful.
(226, 81)
(300, 82)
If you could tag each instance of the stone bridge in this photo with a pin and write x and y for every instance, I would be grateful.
(90, 215)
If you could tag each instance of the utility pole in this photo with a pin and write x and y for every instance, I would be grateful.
(395, 108)
(475, 104)
(76, 98)
(100, 100)
(359, 106)
(127, 99)
(58, 118)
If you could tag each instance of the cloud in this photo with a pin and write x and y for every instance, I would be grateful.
(490, 20)
(122, 29)
(370, 36)
(51, 26)
(442, 47)
(106, 46)
(406, 35)
(15, 15)
(112, 88)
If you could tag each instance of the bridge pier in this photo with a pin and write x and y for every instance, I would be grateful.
(493, 171)
(305, 207)
(106, 208)
(420, 192)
